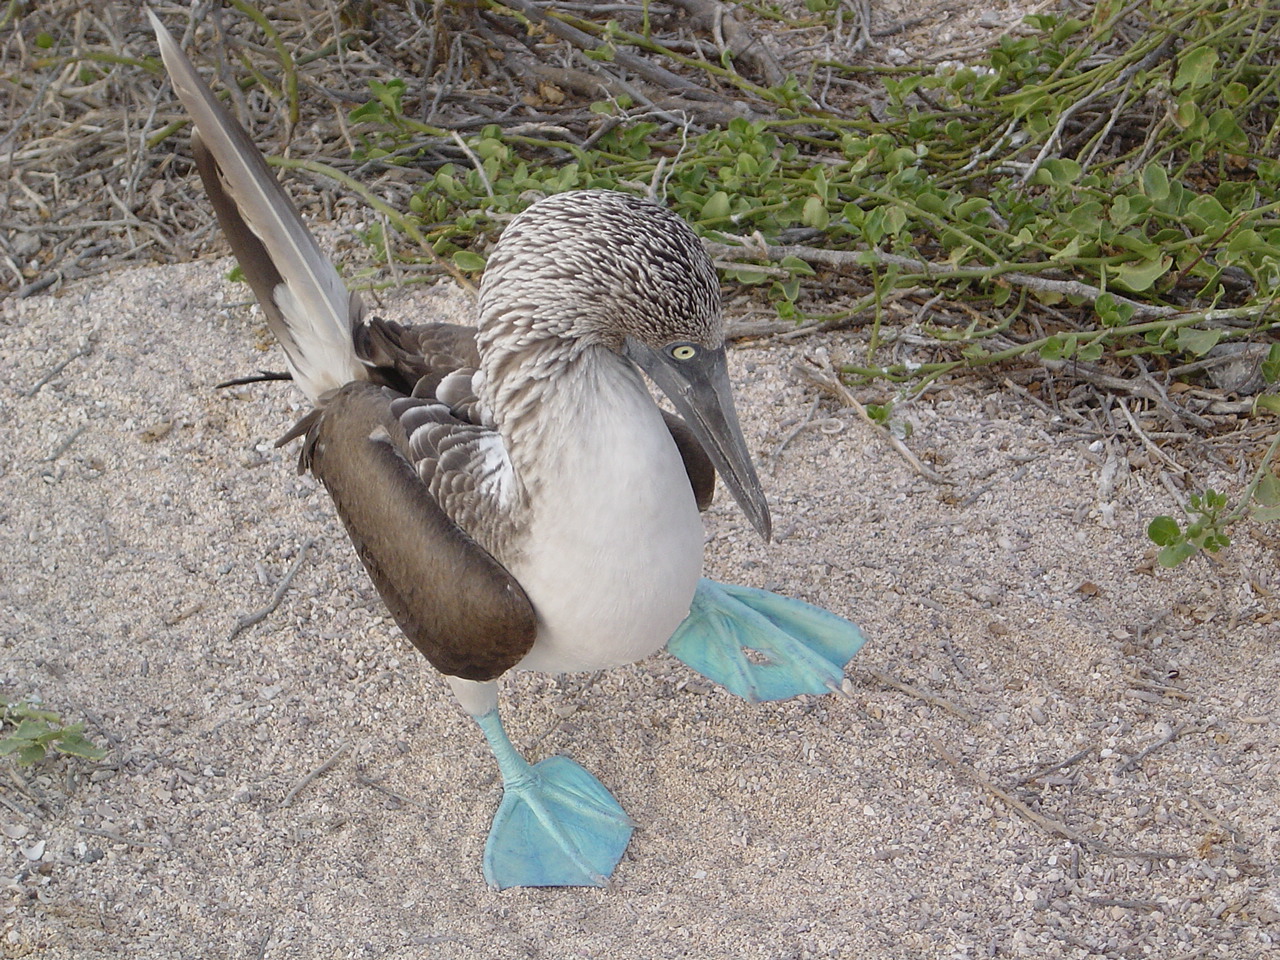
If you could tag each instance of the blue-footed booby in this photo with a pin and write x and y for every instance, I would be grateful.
(514, 492)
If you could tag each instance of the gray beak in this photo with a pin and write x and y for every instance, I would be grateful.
(699, 389)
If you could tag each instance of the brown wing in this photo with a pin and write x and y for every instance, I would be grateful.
(455, 602)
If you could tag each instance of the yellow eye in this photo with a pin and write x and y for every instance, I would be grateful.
(685, 351)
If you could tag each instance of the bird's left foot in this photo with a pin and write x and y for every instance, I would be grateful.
(557, 825)
(762, 646)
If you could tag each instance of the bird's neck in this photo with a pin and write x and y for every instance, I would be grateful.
(553, 394)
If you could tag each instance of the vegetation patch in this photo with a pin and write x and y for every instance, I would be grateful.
(1087, 210)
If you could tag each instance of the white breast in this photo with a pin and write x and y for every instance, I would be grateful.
(615, 548)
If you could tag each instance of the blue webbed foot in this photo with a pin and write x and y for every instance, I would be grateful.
(804, 647)
(557, 825)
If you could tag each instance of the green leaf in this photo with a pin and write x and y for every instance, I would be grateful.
(1227, 131)
(716, 207)
(1175, 553)
(1268, 491)
(798, 267)
(879, 414)
(1138, 277)
(790, 289)
(44, 40)
(1215, 542)
(466, 260)
(1269, 402)
(1163, 531)
(746, 275)
(1061, 172)
(373, 110)
(74, 743)
(1197, 342)
(815, 214)
(1266, 514)
(1090, 352)
(26, 710)
(1206, 213)
(966, 209)
(1271, 365)
(1155, 181)
(1112, 312)
(31, 753)
(1187, 116)
(1195, 69)
(35, 731)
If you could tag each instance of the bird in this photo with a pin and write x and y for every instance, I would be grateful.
(513, 490)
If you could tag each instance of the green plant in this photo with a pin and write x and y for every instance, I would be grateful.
(35, 730)
(1210, 518)
(1099, 197)
(967, 186)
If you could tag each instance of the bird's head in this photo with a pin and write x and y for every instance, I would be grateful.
(597, 268)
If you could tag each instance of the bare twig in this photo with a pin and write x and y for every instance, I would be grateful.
(827, 380)
(741, 43)
(1164, 741)
(119, 838)
(891, 681)
(1231, 829)
(856, 261)
(368, 781)
(65, 445)
(1047, 823)
(318, 771)
(1061, 764)
(1149, 443)
(795, 431)
(85, 348)
(1147, 905)
(249, 619)
(637, 65)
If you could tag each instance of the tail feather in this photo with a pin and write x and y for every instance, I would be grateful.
(307, 306)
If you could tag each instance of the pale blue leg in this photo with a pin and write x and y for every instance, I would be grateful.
(805, 647)
(557, 825)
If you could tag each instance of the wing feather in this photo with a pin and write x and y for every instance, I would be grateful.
(308, 307)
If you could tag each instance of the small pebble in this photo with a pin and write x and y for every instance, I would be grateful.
(33, 852)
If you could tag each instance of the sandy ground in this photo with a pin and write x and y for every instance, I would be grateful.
(1081, 759)
(143, 513)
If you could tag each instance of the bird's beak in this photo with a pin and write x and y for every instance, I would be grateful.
(699, 389)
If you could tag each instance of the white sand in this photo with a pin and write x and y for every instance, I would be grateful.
(814, 828)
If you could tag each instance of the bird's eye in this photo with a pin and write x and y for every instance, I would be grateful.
(683, 351)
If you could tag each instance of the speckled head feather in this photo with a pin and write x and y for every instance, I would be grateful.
(595, 267)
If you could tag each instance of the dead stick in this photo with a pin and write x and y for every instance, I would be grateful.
(584, 41)
(857, 260)
(66, 444)
(832, 384)
(85, 348)
(109, 835)
(1045, 771)
(1047, 823)
(1164, 741)
(323, 768)
(249, 619)
(892, 681)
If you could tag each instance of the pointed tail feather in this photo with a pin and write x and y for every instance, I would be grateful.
(306, 303)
